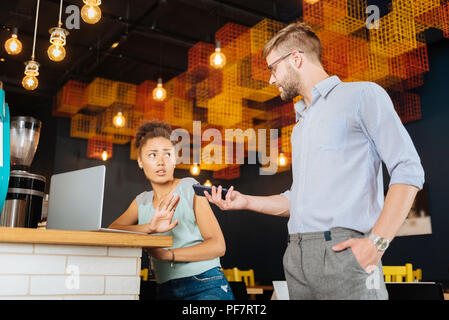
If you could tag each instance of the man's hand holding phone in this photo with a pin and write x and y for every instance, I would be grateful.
(234, 200)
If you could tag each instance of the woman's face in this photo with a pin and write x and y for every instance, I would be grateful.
(157, 159)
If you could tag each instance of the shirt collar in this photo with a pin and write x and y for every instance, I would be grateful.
(300, 107)
(323, 88)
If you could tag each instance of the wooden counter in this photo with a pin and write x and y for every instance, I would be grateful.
(86, 238)
(63, 264)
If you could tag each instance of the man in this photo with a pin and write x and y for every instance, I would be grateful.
(339, 225)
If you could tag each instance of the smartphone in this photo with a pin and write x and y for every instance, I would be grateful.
(199, 190)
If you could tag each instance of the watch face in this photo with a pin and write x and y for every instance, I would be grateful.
(382, 244)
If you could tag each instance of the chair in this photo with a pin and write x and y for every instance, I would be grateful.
(401, 273)
(235, 274)
(144, 274)
(417, 274)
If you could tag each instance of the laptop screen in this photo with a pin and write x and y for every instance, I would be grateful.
(76, 199)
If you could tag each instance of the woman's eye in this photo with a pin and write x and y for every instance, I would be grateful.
(168, 155)
(152, 155)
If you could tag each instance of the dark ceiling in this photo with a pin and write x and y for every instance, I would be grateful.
(154, 38)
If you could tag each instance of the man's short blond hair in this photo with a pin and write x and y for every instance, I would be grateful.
(295, 36)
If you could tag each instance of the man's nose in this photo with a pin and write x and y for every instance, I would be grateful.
(272, 79)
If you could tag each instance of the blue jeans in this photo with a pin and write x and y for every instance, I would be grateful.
(209, 285)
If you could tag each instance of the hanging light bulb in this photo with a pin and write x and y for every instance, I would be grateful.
(208, 183)
(13, 45)
(119, 120)
(58, 36)
(90, 12)
(159, 93)
(56, 52)
(104, 155)
(282, 159)
(195, 170)
(217, 59)
(30, 81)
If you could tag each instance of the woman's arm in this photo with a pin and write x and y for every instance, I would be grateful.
(160, 223)
(128, 220)
(213, 245)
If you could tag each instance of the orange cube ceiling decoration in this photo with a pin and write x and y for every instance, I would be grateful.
(198, 59)
(239, 95)
(97, 145)
(227, 35)
(228, 173)
(70, 97)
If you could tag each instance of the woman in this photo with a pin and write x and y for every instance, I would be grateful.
(191, 268)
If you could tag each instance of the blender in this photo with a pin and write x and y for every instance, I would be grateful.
(23, 205)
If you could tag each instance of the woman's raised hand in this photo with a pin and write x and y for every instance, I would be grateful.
(162, 218)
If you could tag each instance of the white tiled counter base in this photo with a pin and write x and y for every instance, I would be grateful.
(41, 271)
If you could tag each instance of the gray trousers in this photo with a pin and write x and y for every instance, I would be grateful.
(314, 271)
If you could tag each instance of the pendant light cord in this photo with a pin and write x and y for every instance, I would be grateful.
(35, 29)
(60, 14)
(160, 59)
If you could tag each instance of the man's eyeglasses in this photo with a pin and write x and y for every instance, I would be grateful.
(270, 67)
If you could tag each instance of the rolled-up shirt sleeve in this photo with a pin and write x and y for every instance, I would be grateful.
(384, 129)
(286, 194)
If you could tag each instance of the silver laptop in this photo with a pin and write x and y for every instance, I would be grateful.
(75, 201)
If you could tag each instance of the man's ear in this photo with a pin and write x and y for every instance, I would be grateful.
(298, 59)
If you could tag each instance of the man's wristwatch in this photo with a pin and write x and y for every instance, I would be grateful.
(380, 243)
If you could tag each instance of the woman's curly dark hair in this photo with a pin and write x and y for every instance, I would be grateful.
(151, 129)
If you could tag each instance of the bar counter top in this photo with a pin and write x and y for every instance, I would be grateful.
(83, 238)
